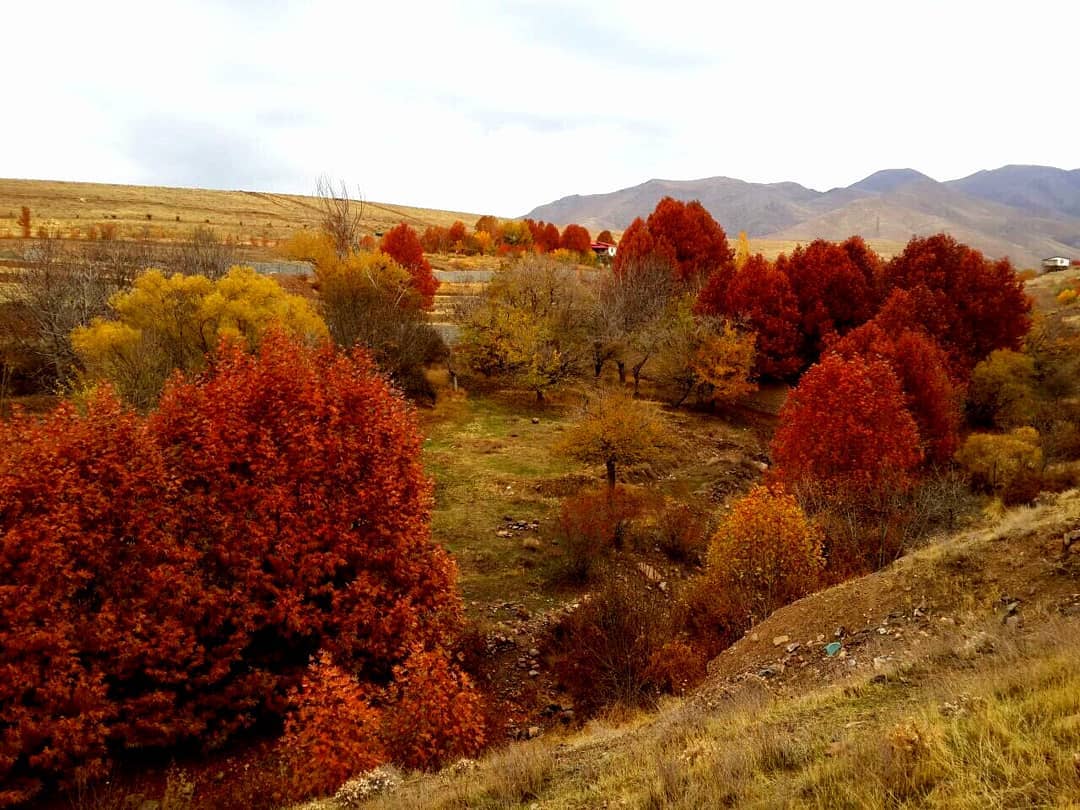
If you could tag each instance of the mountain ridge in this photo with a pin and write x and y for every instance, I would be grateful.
(1023, 212)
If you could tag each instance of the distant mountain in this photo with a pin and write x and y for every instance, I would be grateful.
(1039, 190)
(1024, 212)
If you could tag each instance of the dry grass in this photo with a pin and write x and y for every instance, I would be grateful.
(168, 213)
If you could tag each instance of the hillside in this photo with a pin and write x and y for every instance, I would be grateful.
(1023, 212)
(953, 686)
(163, 213)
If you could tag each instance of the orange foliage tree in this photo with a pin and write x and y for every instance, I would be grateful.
(833, 291)
(698, 242)
(922, 368)
(765, 554)
(761, 297)
(575, 238)
(605, 236)
(455, 235)
(402, 245)
(980, 304)
(639, 248)
(166, 579)
(846, 429)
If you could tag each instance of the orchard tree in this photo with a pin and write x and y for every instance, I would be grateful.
(402, 245)
(845, 429)
(615, 430)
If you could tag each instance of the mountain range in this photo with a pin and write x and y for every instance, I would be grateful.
(1024, 212)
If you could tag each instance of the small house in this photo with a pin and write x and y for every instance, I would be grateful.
(604, 249)
(1055, 263)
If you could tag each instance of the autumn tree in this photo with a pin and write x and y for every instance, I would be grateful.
(616, 430)
(742, 251)
(164, 324)
(529, 327)
(1002, 391)
(723, 364)
(168, 578)
(402, 245)
(369, 300)
(24, 221)
(606, 237)
(341, 216)
(455, 235)
(1007, 464)
(922, 368)
(765, 554)
(833, 292)
(487, 224)
(845, 429)
(980, 305)
(638, 247)
(760, 297)
(575, 239)
(697, 241)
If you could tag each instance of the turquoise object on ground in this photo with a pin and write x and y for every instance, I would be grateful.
(833, 648)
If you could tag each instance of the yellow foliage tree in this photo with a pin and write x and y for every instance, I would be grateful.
(765, 554)
(742, 251)
(1002, 390)
(723, 363)
(1003, 462)
(615, 430)
(167, 323)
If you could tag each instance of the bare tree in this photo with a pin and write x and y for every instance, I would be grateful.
(204, 254)
(340, 215)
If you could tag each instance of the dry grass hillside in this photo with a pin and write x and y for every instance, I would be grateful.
(163, 213)
(954, 685)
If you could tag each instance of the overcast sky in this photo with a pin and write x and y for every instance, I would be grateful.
(500, 106)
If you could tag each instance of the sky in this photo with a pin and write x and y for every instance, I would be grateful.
(497, 107)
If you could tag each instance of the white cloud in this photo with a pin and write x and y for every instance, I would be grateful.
(487, 106)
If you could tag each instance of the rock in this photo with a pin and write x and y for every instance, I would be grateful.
(880, 662)
(371, 783)
(532, 733)
(832, 648)
(767, 672)
(502, 533)
(794, 646)
(533, 673)
(536, 420)
(534, 652)
(531, 544)
(947, 620)
(778, 640)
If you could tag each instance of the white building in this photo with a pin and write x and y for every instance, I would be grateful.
(1055, 263)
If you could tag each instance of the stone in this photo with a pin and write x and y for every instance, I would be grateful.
(530, 544)
(779, 640)
(533, 673)
(533, 732)
(793, 647)
(502, 533)
(767, 672)
(880, 662)
(534, 652)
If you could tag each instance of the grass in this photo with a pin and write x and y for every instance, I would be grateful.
(247, 216)
(490, 461)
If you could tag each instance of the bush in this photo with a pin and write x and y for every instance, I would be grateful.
(766, 553)
(1009, 464)
(676, 667)
(681, 533)
(604, 648)
(331, 732)
(595, 522)
(167, 579)
(1002, 390)
(436, 714)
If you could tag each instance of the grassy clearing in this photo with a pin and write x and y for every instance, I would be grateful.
(490, 461)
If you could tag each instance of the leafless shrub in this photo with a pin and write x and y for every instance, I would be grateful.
(340, 215)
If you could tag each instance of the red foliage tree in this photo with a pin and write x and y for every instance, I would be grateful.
(845, 428)
(637, 247)
(551, 237)
(456, 234)
(605, 236)
(402, 245)
(575, 238)
(760, 295)
(922, 368)
(833, 291)
(698, 243)
(980, 304)
(166, 580)
(435, 239)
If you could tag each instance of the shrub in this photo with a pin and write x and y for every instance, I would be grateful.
(436, 713)
(604, 648)
(1002, 390)
(594, 522)
(1007, 464)
(681, 532)
(331, 731)
(765, 553)
(166, 579)
(676, 667)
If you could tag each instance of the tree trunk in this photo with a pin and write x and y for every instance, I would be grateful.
(610, 475)
(540, 396)
(622, 372)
